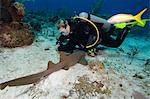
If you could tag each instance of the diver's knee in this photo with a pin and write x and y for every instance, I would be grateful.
(83, 14)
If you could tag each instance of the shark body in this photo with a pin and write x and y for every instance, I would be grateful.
(66, 61)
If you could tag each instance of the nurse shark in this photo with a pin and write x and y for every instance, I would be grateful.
(66, 61)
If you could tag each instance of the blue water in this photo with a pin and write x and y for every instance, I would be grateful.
(109, 6)
(130, 59)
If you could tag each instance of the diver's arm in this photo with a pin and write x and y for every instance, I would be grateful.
(96, 19)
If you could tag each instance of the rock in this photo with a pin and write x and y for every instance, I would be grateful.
(10, 37)
(17, 11)
(5, 16)
(120, 85)
(138, 76)
(46, 49)
(147, 62)
(14, 33)
(7, 3)
(138, 95)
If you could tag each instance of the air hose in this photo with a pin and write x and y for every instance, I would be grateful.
(97, 39)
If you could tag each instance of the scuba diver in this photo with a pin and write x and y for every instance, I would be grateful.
(87, 31)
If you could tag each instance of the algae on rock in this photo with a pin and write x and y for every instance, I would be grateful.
(85, 87)
(14, 33)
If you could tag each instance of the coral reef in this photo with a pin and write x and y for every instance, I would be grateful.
(15, 36)
(86, 88)
(7, 3)
(11, 10)
(14, 33)
(96, 65)
(19, 8)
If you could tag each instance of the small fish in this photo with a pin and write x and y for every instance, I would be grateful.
(66, 61)
(119, 18)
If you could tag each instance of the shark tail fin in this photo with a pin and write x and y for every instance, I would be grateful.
(3, 85)
(30, 79)
(138, 17)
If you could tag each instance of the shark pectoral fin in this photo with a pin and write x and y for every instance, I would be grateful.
(83, 61)
(66, 68)
(138, 16)
(62, 56)
(50, 65)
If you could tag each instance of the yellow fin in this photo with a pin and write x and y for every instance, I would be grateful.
(138, 16)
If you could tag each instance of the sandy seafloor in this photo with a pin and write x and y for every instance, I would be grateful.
(120, 65)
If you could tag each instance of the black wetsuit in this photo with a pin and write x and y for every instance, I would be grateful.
(114, 37)
(83, 33)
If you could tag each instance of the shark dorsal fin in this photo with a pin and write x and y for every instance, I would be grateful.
(50, 65)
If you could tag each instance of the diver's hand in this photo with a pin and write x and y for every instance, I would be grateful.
(57, 46)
